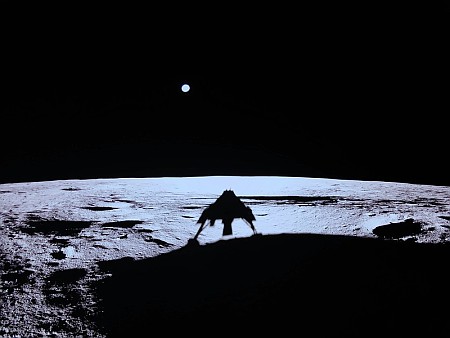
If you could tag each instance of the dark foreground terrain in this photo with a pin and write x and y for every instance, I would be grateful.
(311, 284)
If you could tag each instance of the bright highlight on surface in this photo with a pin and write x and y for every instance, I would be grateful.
(185, 88)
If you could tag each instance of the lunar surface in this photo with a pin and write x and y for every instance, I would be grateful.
(54, 234)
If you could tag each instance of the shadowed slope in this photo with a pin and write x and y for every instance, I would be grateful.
(313, 283)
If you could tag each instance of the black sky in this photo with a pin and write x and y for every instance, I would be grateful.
(356, 92)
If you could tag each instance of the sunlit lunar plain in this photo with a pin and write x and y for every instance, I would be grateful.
(53, 226)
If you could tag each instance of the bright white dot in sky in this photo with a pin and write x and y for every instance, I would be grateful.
(185, 88)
